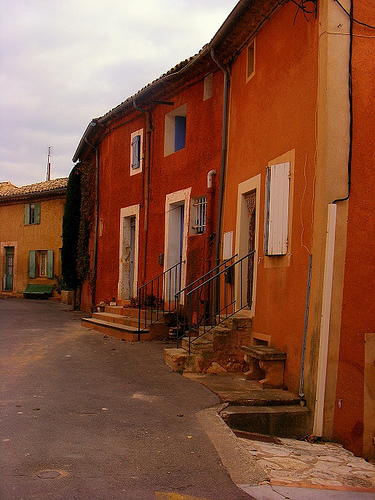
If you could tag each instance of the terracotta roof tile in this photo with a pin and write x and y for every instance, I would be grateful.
(9, 190)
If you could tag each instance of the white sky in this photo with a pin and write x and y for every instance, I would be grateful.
(64, 62)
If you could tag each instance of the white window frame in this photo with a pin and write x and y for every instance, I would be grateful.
(136, 170)
(169, 129)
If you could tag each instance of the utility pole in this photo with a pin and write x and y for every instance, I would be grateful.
(48, 174)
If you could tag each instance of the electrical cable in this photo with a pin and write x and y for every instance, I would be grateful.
(350, 14)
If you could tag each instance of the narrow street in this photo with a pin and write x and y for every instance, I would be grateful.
(85, 416)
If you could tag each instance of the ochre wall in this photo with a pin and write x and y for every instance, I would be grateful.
(272, 114)
(44, 236)
(358, 312)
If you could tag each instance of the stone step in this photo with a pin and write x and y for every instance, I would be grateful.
(116, 318)
(289, 421)
(132, 312)
(124, 332)
(180, 361)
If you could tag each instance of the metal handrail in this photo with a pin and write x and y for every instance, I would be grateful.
(151, 296)
(181, 325)
(221, 302)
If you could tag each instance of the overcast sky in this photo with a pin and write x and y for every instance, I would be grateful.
(64, 62)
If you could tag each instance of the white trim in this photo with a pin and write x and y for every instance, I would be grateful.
(242, 232)
(178, 198)
(134, 171)
(127, 213)
(169, 129)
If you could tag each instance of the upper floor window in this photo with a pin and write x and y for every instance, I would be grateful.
(32, 213)
(277, 209)
(207, 86)
(175, 130)
(250, 61)
(136, 150)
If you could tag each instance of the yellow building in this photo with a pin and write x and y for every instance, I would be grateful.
(31, 234)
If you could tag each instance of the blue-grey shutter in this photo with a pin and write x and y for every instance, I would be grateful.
(26, 216)
(36, 213)
(32, 264)
(179, 132)
(136, 151)
(50, 264)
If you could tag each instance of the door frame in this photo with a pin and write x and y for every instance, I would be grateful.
(177, 198)
(242, 231)
(3, 245)
(124, 286)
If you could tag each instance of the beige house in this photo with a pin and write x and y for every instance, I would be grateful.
(31, 234)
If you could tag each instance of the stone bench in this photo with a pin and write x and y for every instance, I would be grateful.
(266, 365)
(36, 291)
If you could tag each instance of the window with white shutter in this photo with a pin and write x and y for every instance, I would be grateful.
(277, 209)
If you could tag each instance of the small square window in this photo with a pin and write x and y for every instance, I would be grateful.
(250, 63)
(199, 215)
(175, 130)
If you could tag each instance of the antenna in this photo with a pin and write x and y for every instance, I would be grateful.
(48, 174)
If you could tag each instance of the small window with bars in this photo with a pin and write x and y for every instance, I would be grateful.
(199, 215)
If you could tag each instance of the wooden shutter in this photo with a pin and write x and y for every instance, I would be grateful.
(136, 151)
(277, 209)
(26, 216)
(50, 264)
(36, 213)
(32, 258)
(179, 132)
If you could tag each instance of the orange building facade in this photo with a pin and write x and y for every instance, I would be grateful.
(268, 128)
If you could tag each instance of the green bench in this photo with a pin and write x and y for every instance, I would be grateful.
(34, 291)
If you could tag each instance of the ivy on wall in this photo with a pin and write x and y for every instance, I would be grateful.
(71, 223)
(77, 224)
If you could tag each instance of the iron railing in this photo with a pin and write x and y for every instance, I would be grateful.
(156, 298)
(182, 319)
(218, 297)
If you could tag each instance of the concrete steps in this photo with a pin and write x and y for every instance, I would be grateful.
(122, 322)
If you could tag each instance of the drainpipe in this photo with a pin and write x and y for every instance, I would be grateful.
(223, 154)
(149, 129)
(96, 223)
(210, 217)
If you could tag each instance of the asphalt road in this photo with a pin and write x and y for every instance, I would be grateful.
(84, 416)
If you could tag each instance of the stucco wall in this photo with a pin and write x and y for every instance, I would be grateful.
(271, 115)
(186, 168)
(358, 313)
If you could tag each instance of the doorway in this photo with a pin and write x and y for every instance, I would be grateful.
(128, 262)
(176, 231)
(247, 235)
(9, 269)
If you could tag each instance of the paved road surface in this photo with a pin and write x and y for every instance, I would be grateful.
(89, 417)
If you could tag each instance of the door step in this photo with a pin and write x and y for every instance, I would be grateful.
(289, 421)
(120, 331)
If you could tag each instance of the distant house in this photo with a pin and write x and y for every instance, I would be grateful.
(31, 234)
(281, 105)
